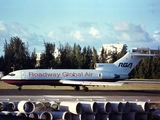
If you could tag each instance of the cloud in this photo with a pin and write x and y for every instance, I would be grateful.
(4, 31)
(86, 34)
(17, 29)
(77, 35)
(13, 29)
(127, 26)
(51, 34)
(2, 26)
(130, 32)
(156, 35)
(94, 32)
(8, 30)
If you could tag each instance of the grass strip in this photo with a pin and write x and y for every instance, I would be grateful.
(134, 86)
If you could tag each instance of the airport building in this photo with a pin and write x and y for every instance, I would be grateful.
(55, 54)
(38, 59)
(109, 49)
(112, 48)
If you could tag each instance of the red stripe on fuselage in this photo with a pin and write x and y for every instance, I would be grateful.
(50, 82)
(32, 82)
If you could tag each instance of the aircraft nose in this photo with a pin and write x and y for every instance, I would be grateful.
(2, 78)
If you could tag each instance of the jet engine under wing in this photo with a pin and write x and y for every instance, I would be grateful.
(90, 83)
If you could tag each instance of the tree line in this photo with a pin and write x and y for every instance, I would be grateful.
(17, 56)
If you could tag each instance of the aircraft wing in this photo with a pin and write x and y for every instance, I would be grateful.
(118, 83)
(90, 83)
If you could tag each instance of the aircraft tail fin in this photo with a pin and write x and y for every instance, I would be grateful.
(129, 61)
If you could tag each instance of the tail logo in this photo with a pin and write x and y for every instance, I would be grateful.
(129, 65)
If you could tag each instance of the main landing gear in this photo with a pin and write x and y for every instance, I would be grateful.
(19, 87)
(85, 88)
(77, 88)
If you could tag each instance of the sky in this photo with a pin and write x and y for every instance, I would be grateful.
(93, 23)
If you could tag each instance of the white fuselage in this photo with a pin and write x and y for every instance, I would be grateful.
(53, 76)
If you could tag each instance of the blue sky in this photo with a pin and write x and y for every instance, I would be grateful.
(84, 22)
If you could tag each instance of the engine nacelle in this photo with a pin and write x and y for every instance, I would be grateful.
(108, 76)
(99, 65)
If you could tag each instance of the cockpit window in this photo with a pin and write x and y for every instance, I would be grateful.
(11, 74)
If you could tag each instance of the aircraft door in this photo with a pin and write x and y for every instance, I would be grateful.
(22, 75)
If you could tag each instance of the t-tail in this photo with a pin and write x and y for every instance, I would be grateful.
(129, 61)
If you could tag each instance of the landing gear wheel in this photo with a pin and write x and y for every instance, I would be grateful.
(85, 89)
(19, 88)
(76, 88)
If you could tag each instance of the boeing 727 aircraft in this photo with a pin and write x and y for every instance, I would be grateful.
(105, 74)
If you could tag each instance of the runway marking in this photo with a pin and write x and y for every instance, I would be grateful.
(59, 98)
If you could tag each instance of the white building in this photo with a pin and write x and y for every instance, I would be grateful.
(109, 49)
(38, 59)
(55, 54)
(112, 48)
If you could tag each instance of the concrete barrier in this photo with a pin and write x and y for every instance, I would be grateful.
(62, 115)
(80, 110)
(145, 116)
(156, 114)
(45, 115)
(26, 106)
(12, 106)
(3, 106)
(132, 116)
(107, 116)
(104, 107)
(71, 106)
(117, 107)
(82, 116)
(39, 106)
(126, 107)
(89, 107)
(140, 106)
(6, 113)
(90, 116)
(122, 116)
(33, 115)
(53, 105)
(18, 113)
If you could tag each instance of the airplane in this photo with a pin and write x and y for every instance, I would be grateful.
(105, 74)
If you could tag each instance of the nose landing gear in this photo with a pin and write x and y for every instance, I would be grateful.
(19, 87)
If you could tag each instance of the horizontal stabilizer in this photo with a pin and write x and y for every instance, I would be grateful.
(142, 55)
(90, 83)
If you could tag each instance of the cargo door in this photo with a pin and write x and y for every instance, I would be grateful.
(22, 75)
